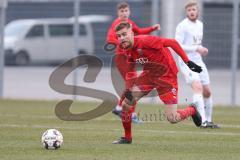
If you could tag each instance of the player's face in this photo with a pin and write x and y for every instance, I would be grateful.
(124, 13)
(125, 38)
(192, 12)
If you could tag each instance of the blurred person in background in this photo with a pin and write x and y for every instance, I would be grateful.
(123, 12)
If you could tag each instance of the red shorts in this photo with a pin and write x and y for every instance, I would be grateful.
(166, 85)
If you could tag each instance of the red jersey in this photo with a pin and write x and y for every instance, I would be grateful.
(159, 67)
(149, 50)
(111, 35)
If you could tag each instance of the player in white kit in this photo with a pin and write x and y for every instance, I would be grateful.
(189, 34)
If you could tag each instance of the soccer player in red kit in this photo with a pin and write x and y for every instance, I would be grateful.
(159, 72)
(123, 11)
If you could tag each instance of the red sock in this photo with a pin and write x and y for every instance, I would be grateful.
(120, 102)
(186, 112)
(121, 99)
(132, 109)
(127, 123)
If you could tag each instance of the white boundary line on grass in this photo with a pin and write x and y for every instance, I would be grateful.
(102, 119)
(119, 130)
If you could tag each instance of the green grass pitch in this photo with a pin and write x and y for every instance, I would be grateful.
(23, 122)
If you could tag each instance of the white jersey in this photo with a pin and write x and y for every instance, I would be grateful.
(189, 34)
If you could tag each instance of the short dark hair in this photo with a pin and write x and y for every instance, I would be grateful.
(122, 25)
(122, 5)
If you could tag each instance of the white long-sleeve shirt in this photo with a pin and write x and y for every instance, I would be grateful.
(189, 34)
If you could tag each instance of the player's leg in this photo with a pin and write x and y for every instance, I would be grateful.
(208, 106)
(118, 111)
(175, 115)
(193, 79)
(198, 99)
(131, 98)
(207, 95)
(208, 102)
(169, 84)
(127, 73)
(171, 113)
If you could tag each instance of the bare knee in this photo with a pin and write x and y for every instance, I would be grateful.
(125, 106)
(206, 93)
(197, 87)
(173, 121)
(171, 117)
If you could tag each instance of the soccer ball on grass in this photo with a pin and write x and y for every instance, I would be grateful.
(52, 139)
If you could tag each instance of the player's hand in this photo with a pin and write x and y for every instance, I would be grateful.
(202, 50)
(157, 26)
(194, 67)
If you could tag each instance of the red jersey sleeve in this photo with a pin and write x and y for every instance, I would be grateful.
(111, 38)
(111, 35)
(172, 43)
(158, 43)
(139, 31)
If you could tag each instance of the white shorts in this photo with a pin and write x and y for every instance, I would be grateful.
(190, 76)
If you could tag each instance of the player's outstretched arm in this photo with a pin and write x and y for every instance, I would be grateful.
(172, 43)
(146, 30)
(178, 49)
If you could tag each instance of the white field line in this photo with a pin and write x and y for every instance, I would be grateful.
(103, 119)
(120, 130)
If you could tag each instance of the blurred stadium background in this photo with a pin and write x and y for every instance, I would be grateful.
(31, 82)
